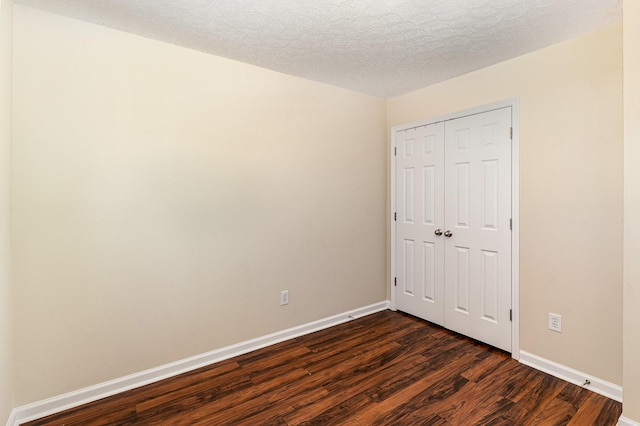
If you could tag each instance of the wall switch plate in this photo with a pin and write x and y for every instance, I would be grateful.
(284, 297)
(555, 322)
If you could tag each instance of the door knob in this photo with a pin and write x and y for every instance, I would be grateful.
(438, 232)
(448, 233)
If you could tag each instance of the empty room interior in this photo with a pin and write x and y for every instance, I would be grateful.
(186, 182)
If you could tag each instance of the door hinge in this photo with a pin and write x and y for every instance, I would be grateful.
(395, 216)
(395, 281)
(511, 224)
(510, 314)
(395, 151)
(511, 133)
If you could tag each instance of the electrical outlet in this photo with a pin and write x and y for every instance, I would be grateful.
(284, 297)
(555, 322)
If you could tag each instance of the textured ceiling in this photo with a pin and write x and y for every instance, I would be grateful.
(380, 47)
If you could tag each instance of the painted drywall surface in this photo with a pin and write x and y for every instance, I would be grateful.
(570, 189)
(631, 382)
(6, 325)
(163, 198)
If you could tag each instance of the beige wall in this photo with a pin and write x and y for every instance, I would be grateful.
(571, 190)
(164, 197)
(6, 326)
(631, 22)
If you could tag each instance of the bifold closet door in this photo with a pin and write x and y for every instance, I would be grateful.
(477, 222)
(420, 211)
(453, 237)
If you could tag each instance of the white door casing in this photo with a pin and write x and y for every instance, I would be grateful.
(454, 176)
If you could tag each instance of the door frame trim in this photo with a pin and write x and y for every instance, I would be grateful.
(514, 103)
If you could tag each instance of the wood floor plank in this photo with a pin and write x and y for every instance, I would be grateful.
(557, 413)
(408, 366)
(472, 407)
(485, 366)
(402, 402)
(537, 399)
(279, 409)
(336, 414)
(387, 368)
(268, 413)
(187, 386)
(609, 414)
(597, 409)
(574, 395)
(320, 375)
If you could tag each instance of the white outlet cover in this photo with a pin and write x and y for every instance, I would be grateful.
(555, 322)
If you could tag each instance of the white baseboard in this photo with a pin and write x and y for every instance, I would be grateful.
(60, 403)
(608, 389)
(623, 421)
(12, 418)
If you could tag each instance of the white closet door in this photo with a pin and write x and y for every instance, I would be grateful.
(477, 225)
(420, 216)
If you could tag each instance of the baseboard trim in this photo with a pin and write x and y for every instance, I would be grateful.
(12, 418)
(63, 402)
(603, 387)
(623, 421)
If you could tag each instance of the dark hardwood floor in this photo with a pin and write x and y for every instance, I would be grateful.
(384, 369)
